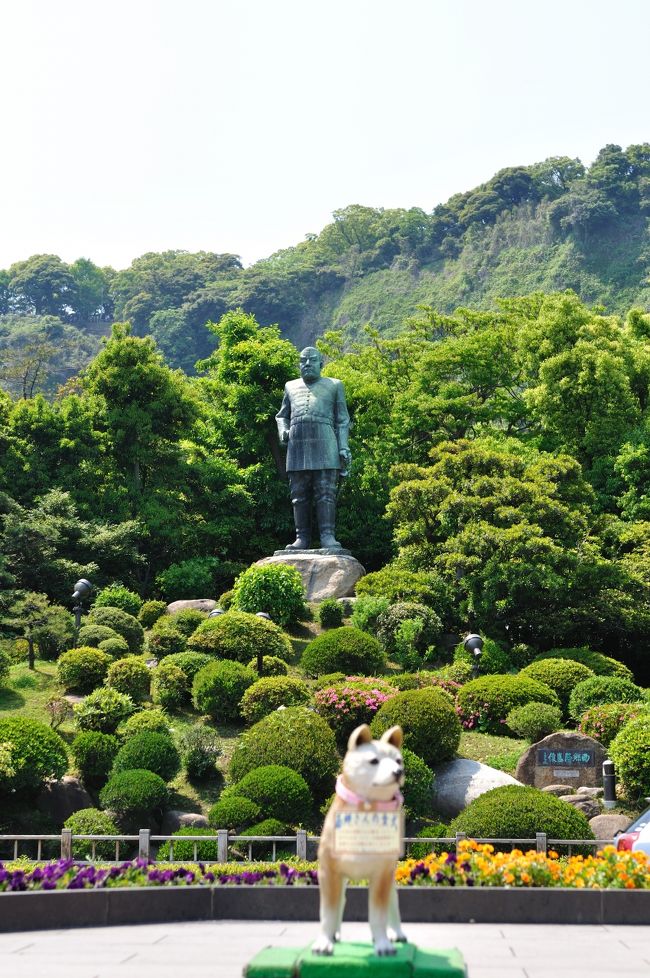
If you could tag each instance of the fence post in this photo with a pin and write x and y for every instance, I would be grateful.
(222, 845)
(144, 844)
(66, 843)
(301, 844)
(459, 838)
(541, 841)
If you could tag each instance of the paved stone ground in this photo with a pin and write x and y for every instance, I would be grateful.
(220, 949)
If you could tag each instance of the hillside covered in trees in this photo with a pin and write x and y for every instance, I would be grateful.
(547, 227)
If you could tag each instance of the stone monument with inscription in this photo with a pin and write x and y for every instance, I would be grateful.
(563, 758)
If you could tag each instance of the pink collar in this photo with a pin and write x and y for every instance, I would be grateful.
(350, 798)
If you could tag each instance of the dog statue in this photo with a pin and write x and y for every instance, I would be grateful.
(362, 838)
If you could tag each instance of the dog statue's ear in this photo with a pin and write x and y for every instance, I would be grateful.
(359, 736)
(393, 736)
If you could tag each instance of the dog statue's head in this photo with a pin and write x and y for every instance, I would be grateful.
(374, 769)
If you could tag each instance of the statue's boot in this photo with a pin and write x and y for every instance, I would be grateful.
(326, 512)
(302, 519)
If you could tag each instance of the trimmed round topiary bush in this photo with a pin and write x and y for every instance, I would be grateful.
(121, 622)
(118, 596)
(269, 693)
(149, 751)
(297, 738)
(153, 720)
(600, 665)
(276, 589)
(185, 851)
(199, 747)
(92, 635)
(562, 675)
(330, 613)
(431, 728)
(131, 676)
(602, 689)
(134, 794)
(94, 753)
(272, 665)
(346, 705)
(82, 670)
(534, 720)
(233, 813)
(117, 647)
(165, 639)
(630, 752)
(418, 785)
(518, 812)
(494, 659)
(189, 662)
(218, 688)
(238, 636)
(103, 710)
(484, 703)
(279, 791)
(170, 686)
(389, 622)
(345, 649)
(37, 753)
(455, 672)
(604, 721)
(91, 821)
(150, 612)
(186, 621)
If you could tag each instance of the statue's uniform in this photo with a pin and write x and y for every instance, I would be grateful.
(317, 419)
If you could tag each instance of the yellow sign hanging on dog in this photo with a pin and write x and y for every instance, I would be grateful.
(361, 833)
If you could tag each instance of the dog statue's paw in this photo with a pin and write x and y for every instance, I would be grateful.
(384, 947)
(322, 945)
(398, 936)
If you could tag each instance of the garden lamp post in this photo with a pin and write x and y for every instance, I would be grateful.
(474, 644)
(82, 590)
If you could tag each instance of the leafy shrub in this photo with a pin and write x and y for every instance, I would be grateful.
(418, 785)
(199, 747)
(150, 612)
(269, 826)
(165, 639)
(601, 665)
(390, 621)
(218, 688)
(455, 672)
(170, 686)
(272, 665)
(602, 689)
(55, 633)
(279, 791)
(149, 751)
(604, 721)
(276, 589)
(329, 679)
(367, 611)
(5, 665)
(484, 703)
(233, 813)
(562, 675)
(118, 596)
(82, 670)
(91, 821)
(103, 710)
(297, 738)
(518, 812)
(117, 647)
(183, 851)
(434, 830)
(630, 752)
(398, 584)
(121, 622)
(154, 720)
(58, 710)
(134, 794)
(346, 705)
(270, 692)
(431, 727)
(534, 720)
(346, 649)
(186, 621)
(130, 676)
(189, 662)
(225, 600)
(94, 753)
(238, 635)
(37, 753)
(494, 659)
(196, 577)
(420, 680)
(330, 613)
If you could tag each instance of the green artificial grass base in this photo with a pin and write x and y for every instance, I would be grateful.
(354, 960)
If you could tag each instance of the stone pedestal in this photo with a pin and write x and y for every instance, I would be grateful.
(325, 573)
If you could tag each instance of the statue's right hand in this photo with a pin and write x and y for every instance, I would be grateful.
(284, 437)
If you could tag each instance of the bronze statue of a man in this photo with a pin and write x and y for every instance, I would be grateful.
(313, 423)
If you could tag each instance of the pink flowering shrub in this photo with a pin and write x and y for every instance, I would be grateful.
(603, 722)
(354, 701)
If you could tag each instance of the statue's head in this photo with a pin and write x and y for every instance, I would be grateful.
(311, 362)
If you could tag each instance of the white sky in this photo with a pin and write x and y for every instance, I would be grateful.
(140, 125)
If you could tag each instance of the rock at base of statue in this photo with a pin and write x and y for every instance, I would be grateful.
(460, 781)
(325, 573)
(565, 757)
(193, 604)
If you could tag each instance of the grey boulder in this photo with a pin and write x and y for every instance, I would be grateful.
(194, 604)
(174, 820)
(606, 826)
(588, 806)
(460, 781)
(60, 799)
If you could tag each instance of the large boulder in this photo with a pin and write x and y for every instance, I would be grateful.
(606, 826)
(323, 575)
(588, 806)
(195, 604)
(565, 757)
(59, 799)
(174, 820)
(460, 781)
